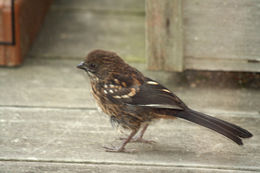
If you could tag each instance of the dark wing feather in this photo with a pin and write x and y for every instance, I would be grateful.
(149, 94)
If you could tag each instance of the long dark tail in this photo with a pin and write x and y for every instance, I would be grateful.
(229, 130)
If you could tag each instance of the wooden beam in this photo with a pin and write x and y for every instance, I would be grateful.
(164, 35)
(221, 64)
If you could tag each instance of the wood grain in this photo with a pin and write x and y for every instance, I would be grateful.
(77, 136)
(164, 36)
(54, 167)
(204, 35)
(219, 33)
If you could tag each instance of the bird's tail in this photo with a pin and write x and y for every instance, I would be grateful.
(232, 131)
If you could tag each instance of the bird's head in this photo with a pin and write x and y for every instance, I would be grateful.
(100, 63)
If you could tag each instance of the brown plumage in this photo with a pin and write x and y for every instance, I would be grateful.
(133, 100)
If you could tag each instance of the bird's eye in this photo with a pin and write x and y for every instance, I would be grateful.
(92, 65)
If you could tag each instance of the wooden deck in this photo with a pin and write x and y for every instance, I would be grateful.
(49, 122)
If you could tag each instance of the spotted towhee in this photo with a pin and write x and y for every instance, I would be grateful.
(133, 100)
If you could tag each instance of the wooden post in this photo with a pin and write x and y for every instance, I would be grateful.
(164, 35)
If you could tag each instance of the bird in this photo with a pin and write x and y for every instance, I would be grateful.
(133, 101)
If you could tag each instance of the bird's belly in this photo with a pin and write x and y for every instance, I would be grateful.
(129, 117)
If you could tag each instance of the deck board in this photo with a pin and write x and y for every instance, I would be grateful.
(39, 167)
(75, 135)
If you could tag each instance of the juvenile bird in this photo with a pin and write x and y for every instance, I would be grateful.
(133, 100)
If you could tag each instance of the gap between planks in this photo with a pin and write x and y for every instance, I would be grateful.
(253, 114)
(191, 166)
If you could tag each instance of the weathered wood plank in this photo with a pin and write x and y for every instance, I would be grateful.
(42, 167)
(226, 30)
(164, 38)
(77, 136)
(45, 83)
(218, 64)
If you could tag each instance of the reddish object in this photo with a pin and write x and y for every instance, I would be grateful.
(28, 15)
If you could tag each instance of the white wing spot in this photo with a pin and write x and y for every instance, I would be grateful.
(112, 86)
(111, 91)
(105, 91)
(152, 83)
(125, 96)
(105, 86)
(117, 97)
(165, 90)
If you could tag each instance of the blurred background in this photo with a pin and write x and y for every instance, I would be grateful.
(206, 52)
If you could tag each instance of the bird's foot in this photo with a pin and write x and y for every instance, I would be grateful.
(139, 140)
(118, 149)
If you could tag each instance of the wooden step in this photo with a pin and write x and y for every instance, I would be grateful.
(20, 20)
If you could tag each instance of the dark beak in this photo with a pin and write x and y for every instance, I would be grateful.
(82, 66)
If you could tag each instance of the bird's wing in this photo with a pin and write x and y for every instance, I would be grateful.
(148, 94)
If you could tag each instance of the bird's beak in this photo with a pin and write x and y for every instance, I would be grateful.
(82, 66)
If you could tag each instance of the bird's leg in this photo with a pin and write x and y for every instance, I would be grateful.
(139, 138)
(121, 148)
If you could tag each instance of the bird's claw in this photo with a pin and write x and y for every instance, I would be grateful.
(118, 149)
(139, 140)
